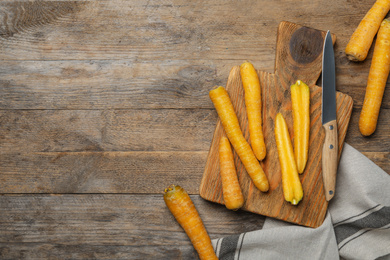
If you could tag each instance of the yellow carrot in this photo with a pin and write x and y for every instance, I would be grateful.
(292, 187)
(183, 209)
(229, 120)
(377, 78)
(361, 40)
(251, 84)
(300, 99)
(231, 189)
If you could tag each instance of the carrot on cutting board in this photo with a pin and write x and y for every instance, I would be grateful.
(300, 99)
(377, 78)
(229, 120)
(184, 211)
(361, 40)
(232, 194)
(292, 187)
(251, 84)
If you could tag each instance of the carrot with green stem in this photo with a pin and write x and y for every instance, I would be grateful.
(300, 99)
(376, 83)
(232, 194)
(183, 209)
(251, 84)
(229, 120)
(362, 38)
(292, 187)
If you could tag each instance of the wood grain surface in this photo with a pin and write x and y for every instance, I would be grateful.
(103, 103)
(299, 56)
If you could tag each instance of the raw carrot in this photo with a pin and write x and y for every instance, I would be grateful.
(232, 194)
(184, 211)
(377, 78)
(251, 84)
(300, 99)
(292, 187)
(361, 40)
(229, 120)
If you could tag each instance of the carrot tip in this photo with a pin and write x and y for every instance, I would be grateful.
(170, 188)
(264, 186)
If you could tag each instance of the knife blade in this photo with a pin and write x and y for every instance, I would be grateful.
(329, 115)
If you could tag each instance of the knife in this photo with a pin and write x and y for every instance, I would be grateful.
(330, 147)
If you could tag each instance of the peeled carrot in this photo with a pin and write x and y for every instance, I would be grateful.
(292, 187)
(232, 194)
(377, 78)
(361, 40)
(229, 120)
(300, 99)
(251, 84)
(183, 209)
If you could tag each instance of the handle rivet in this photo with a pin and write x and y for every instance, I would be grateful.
(331, 146)
(330, 192)
(331, 127)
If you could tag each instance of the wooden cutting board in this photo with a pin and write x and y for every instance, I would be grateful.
(298, 56)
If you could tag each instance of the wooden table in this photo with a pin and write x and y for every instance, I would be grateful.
(104, 104)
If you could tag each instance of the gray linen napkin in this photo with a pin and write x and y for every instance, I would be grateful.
(357, 225)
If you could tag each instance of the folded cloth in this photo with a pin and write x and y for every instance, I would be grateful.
(357, 224)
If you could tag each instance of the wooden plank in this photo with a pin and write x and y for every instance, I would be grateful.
(125, 130)
(116, 130)
(42, 30)
(109, 84)
(111, 172)
(100, 172)
(106, 226)
(106, 130)
(126, 84)
(113, 29)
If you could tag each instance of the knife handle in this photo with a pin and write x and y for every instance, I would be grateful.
(330, 159)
